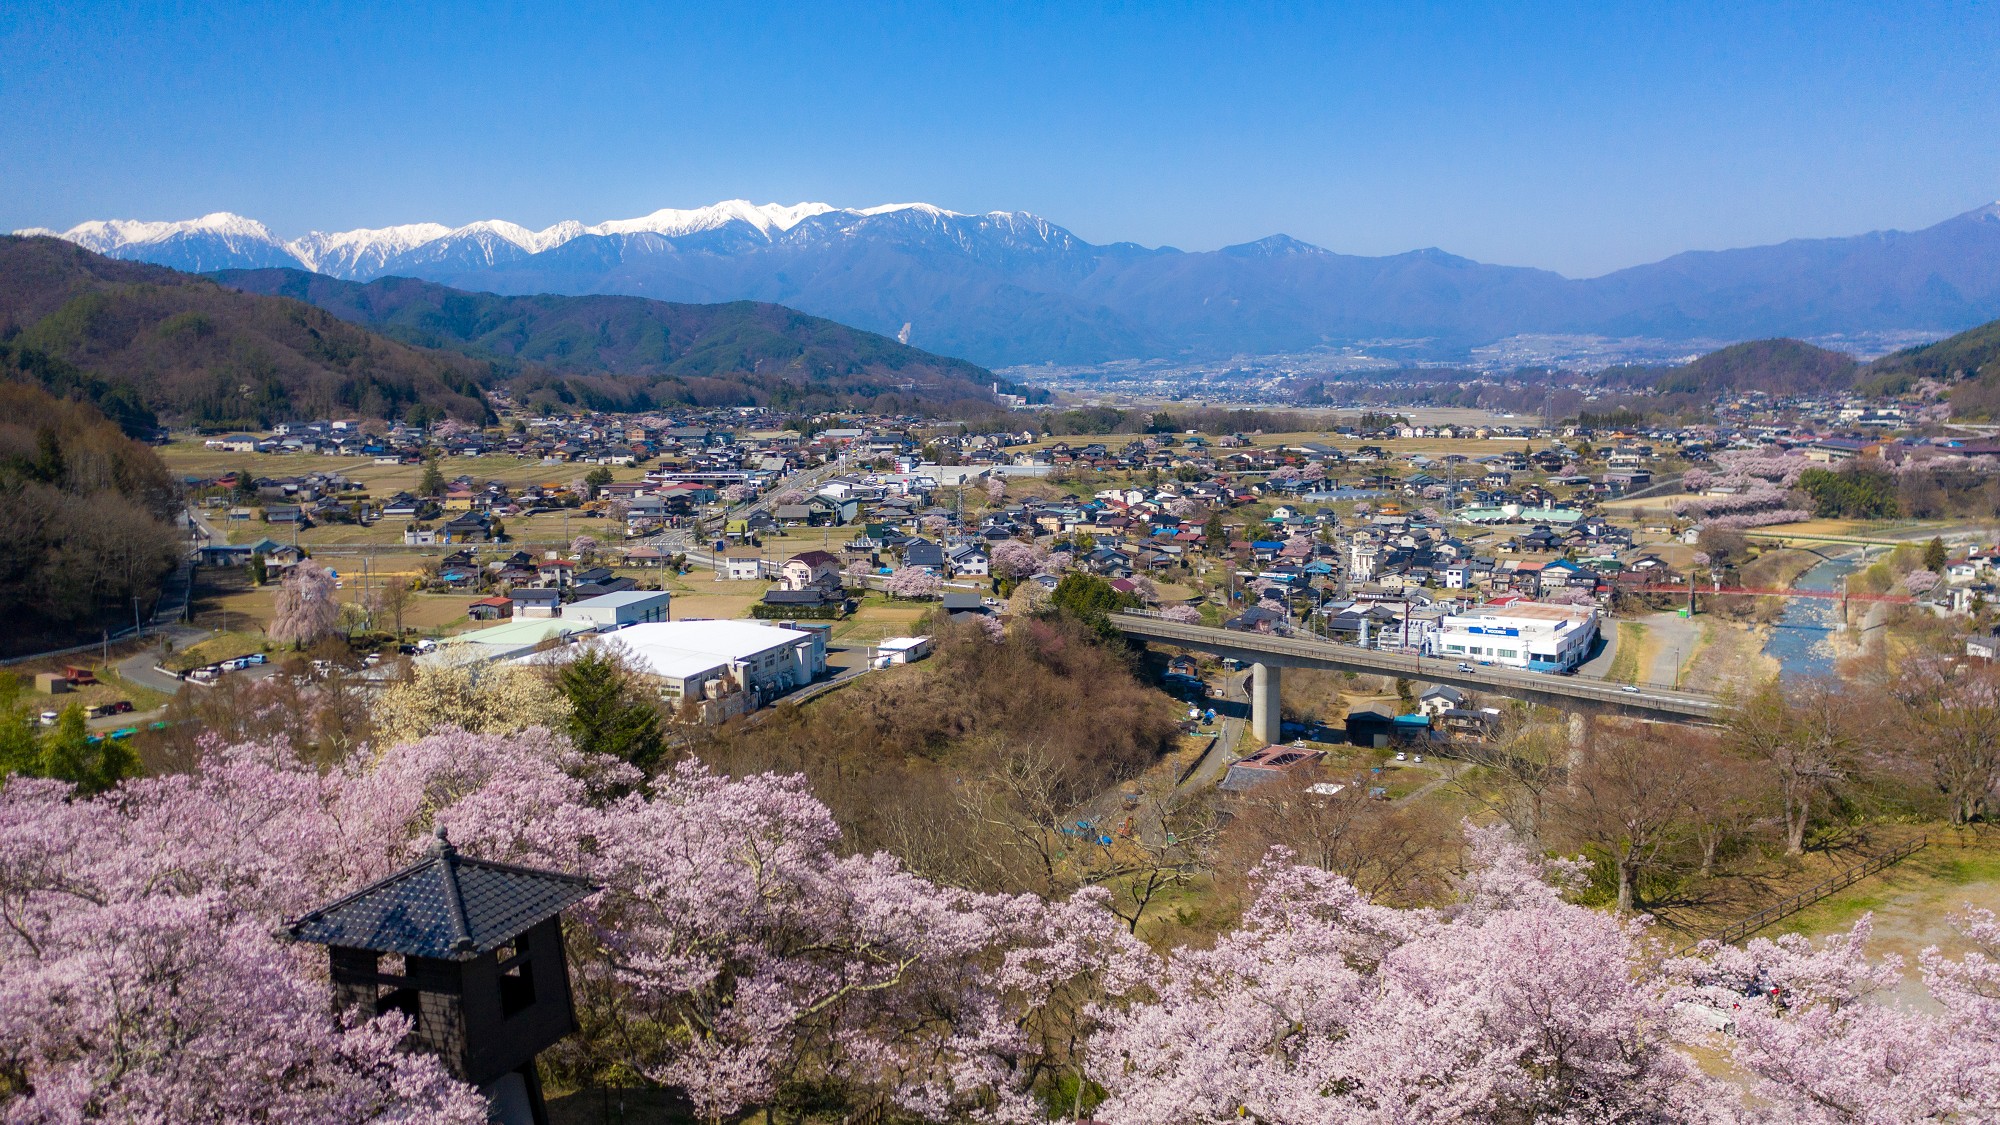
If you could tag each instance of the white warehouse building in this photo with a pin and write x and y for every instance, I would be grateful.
(685, 657)
(1536, 636)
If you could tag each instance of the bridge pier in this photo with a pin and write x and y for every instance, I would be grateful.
(1264, 721)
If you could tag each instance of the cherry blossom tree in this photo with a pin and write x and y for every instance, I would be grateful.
(1029, 598)
(996, 490)
(585, 548)
(1920, 581)
(1951, 716)
(1817, 1031)
(306, 608)
(503, 699)
(1182, 614)
(1743, 521)
(1011, 558)
(740, 954)
(736, 494)
(914, 583)
(1322, 1006)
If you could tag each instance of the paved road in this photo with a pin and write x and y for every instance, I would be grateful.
(142, 667)
(1233, 709)
(1599, 666)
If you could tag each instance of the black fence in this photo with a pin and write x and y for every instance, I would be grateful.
(1792, 904)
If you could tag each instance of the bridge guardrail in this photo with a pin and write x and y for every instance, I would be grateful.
(1436, 669)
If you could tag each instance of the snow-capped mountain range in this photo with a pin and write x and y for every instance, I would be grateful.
(228, 241)
(1009, 287)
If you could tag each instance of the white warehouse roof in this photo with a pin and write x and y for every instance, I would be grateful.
(679, 649)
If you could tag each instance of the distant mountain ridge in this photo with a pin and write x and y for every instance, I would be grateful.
(140, 340)
(703, 354)
(1009, 287)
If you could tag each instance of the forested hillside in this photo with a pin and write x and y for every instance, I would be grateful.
(653, 352)
(1970, 361)
(199, 353)
(1780, 367)
(84, 518)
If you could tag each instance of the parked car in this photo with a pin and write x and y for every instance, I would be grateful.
(49, 718)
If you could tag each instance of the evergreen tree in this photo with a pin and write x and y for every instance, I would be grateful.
(433, 482)
(1092, 600)
(19, 749)
(608, 714)
(1935, 556)
(1218, 536)
(69, 755)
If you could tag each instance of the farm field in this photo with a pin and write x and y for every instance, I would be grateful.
(190, 458)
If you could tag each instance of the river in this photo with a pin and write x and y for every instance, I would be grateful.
(1802, 640)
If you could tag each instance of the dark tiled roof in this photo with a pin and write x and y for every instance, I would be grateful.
(446, 906)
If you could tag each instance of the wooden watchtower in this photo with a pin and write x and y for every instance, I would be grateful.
(472, 952)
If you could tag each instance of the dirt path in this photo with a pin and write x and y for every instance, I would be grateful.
(1913, 904)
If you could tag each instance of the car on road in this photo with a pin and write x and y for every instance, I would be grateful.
(1464, 667)
(1630, 688)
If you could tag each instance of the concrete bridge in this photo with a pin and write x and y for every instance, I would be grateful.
(1267, 655)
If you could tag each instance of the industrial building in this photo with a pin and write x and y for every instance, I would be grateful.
(529, 631)
(1537, 636)
(738, 664)
(627, 607)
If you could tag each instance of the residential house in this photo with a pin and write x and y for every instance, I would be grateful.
(537, 602)
(810, 569)
(971, 560)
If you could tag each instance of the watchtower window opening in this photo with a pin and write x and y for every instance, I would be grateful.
(517, 977)
(393, 991)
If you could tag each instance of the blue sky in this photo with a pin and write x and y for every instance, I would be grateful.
(1546, 135)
